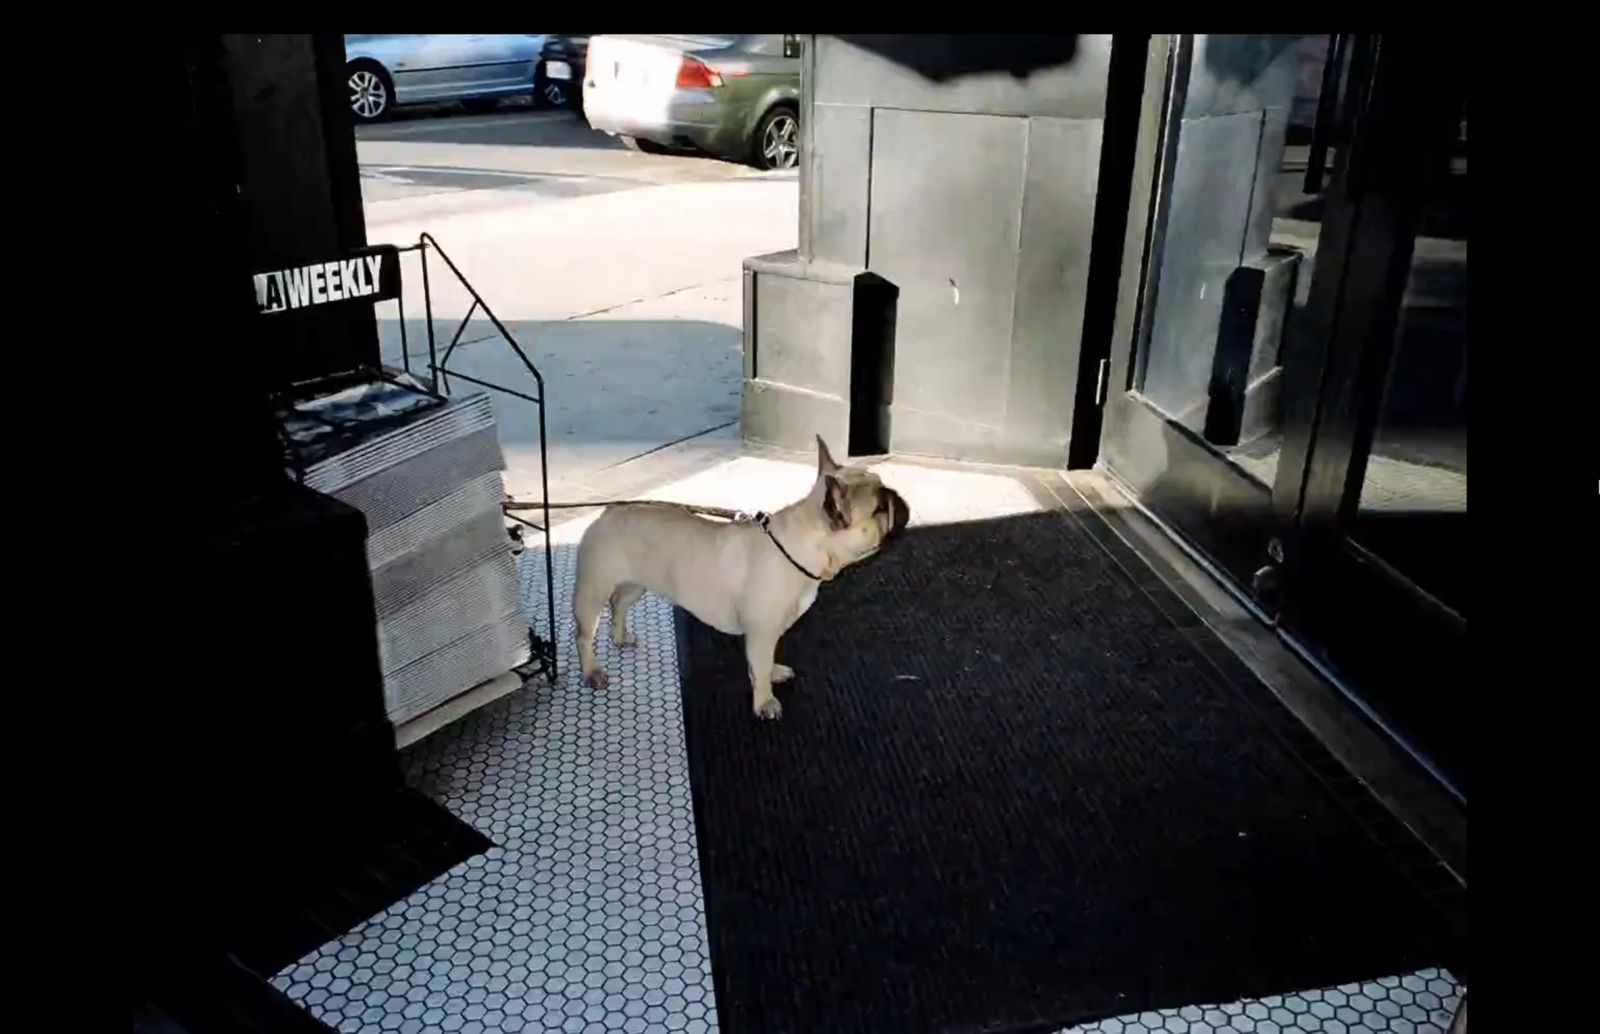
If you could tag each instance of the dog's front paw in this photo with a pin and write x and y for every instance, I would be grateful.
(596, 679)
(782, 673)
(625, 639)
(769, 710)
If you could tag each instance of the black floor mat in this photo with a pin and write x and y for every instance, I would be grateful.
(396, 842)
(405, 843)
(1007, 793)
(222, 996)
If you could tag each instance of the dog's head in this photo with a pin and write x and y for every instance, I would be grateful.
(858, 511)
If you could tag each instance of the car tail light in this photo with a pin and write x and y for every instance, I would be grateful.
(694, 74)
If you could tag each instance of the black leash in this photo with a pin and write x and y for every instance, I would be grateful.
(720, 512)
(762, 519)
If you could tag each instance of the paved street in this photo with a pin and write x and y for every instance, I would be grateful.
(618, 273)
(436, 157)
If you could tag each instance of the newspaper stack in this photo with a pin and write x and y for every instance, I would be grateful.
(443, 575)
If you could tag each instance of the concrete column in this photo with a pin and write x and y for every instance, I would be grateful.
(948, 196)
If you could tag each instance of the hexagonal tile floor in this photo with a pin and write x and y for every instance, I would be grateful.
(587, 916)
(1418, 1003)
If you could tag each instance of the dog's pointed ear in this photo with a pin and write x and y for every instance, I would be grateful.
(825, 464)
(835, 507)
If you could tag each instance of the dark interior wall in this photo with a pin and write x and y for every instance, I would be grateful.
(262, 738)
(962, 171)
(300, 189)
(265, 177)
(208, 357)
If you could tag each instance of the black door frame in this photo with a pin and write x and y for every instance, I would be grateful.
(1405, 649)
(1399, 653)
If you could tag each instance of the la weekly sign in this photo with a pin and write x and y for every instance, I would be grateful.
(369, 275)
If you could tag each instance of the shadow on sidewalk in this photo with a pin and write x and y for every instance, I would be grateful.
(508, 127)
(614, 388)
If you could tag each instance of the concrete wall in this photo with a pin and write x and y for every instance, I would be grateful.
(948, 193)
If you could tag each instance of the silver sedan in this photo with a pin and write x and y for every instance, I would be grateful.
(731, 95)
(389, 69)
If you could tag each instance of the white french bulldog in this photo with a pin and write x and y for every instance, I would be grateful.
(751, 578)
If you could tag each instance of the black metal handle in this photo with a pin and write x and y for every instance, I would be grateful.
(1322, 130)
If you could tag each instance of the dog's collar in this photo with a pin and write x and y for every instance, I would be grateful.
(766, 526)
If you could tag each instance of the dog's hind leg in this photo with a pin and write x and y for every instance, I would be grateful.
(623, 597)
(588, 598)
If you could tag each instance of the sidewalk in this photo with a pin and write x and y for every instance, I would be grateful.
(630, 304)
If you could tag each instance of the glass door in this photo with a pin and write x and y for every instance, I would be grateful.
(1380, 556)
(1262, 384)
(1238, 145)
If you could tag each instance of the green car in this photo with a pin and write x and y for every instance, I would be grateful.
(733, 96)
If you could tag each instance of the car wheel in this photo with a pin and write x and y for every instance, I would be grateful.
(371, 91)
(777, 139)
(633, 143)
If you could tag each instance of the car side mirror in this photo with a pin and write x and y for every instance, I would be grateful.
(791, 46)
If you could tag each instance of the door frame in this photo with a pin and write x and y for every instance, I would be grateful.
(1364, 618)
(1396, 652)
(1165, 465)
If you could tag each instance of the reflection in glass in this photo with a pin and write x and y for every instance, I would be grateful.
(1236, 236)
(1413, 503)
